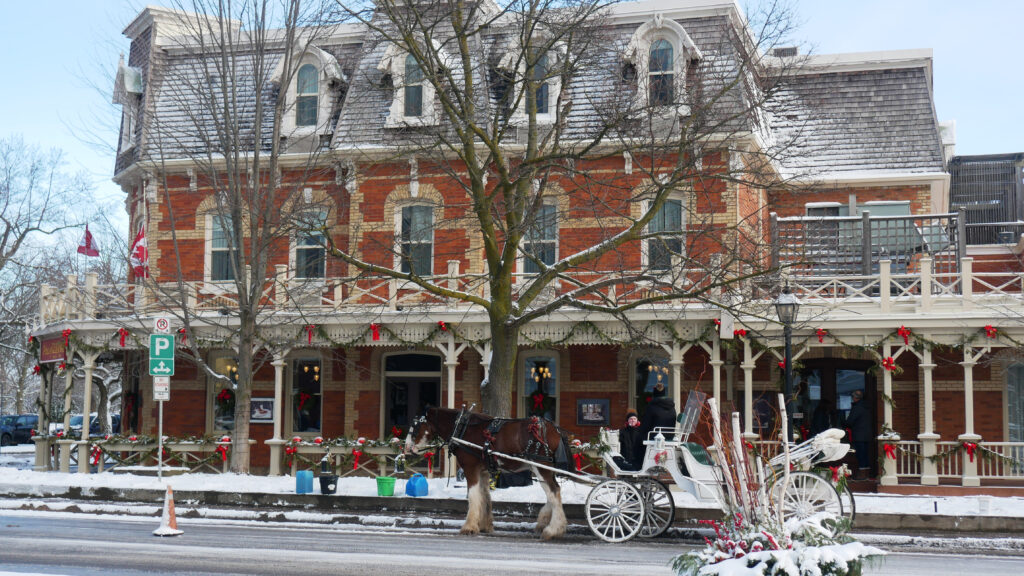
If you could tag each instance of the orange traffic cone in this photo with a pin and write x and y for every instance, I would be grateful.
(168, 523)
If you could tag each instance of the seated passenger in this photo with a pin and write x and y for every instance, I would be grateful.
(631, 448)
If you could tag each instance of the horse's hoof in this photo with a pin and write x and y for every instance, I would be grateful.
(548, 534)
(469, 531)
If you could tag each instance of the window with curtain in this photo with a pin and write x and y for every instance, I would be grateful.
(413, 87)
(307, 95)
(221, 249)
(668, 221)
(417, 239)
(309, 248)
(661, 73)
(541, 239)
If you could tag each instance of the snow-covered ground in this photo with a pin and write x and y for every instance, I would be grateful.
(15, 472)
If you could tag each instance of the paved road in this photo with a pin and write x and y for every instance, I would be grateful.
(94, 545)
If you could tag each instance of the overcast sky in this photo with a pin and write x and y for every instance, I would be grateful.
(59, 57)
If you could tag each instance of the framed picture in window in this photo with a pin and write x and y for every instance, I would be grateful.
(592, 411)
(261, 411)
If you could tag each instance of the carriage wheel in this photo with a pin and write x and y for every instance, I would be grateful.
(615, 511)
(849, 506)
(659, 508)
(806, 495)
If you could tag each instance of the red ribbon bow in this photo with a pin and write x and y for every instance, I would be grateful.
(890, 451)
(717, 322)
(375, 332)
(30, 339)
(741, 333)
(36, 369)
(442, 325)
(184, 335)
(289, 450)
(905, 333)
(66, 333)
(303, 397)
(970, 447)
(538, 400)
(990, 331)
(821, 333)
(430, 462)
(62, 366)
(782, 364)
(579, 461)
(122, 332)
(835, 473)
(223, 451)
(96, 454)
(749, 445)
(355, 455)
(60, 433)
(396, 431)
(889, 363)
(309, 333)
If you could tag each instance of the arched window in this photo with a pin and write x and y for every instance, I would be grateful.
(661, 76)
(540, 73)
(417, 239)
(307, 91)
(413, 87)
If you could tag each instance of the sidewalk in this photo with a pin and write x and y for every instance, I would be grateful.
(904, 514)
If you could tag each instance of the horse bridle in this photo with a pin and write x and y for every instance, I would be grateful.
(458, 429)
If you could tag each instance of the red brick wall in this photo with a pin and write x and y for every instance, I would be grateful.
(791, 203)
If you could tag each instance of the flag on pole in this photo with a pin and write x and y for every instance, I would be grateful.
(88, 246)
(139, 255)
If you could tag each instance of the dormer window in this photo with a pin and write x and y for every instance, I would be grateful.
(307, 95)
(661, 73)
(540, 73)
(413, 87)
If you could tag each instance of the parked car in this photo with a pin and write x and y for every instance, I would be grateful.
(17, 429)
(94, 424)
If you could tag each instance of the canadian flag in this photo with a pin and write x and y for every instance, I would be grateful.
(88, 246)
(139, 255)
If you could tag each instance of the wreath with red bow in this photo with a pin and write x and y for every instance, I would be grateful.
(226, 401)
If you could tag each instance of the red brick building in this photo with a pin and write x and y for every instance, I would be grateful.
(861, 232)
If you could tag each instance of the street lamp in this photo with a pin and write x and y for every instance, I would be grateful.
(787, 307)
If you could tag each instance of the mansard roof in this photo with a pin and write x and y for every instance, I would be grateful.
(855, 113)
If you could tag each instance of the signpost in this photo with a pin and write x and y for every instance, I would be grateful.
(161, 368)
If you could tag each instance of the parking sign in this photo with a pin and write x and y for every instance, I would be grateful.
(161, 355)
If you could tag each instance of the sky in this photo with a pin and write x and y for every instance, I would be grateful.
(60, 69)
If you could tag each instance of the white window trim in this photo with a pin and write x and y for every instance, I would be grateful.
(684, 220)
(521, 259)
(524, 357)
(328, 71)
(556, 57)
(639, 52)
(208, 252)
(393, 63)
(397, 262)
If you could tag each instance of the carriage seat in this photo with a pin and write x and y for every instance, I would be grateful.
(699, 453)
(611, 438)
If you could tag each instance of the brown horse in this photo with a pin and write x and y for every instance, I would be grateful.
(530, 438)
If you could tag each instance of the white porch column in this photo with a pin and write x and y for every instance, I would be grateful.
(748, 391)
(65, 445)
(929, 472)
(88, 364)
(676, 362)
(888, 465)
(277, 442)
(716, 370)
(451, 362)
(970, 469)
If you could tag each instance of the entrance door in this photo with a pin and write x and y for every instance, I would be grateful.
(411, 383)
(825, 389)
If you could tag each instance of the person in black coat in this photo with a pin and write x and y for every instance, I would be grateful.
(661, 413)
(631, 447)
(859, 423)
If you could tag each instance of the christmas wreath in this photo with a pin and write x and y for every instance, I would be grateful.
(226, 401)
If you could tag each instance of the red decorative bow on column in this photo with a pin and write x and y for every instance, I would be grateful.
(579, 461)
(375, 332)
(122, 332)
(442, 325)
(96, 454)
(889, 363)
(66, 333)
(741, 333)
(717, 322)
(782, 364)
(355, 458)
(990, 331)
(890, 451)
(309, 333)
(970, 447)
(36, 369)
(821, 333)
(289, 451)
(223, 451)
(905, 333)
(430, 463)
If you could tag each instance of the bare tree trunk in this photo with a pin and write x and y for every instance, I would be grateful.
(498, 394)
(240, 456)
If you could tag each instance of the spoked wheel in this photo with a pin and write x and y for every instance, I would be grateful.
(615, 511)
(659, 507)
(849, 506)
(807, 495)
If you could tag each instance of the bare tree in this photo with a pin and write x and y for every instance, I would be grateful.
(532, 101)
(219, 110)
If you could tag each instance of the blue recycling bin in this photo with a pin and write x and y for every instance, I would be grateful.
(416, 486)
(304, 482)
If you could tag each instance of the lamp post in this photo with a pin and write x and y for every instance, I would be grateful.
(787, 307)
